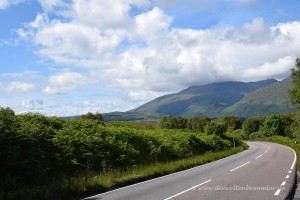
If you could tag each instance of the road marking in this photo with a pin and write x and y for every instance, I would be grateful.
(187, 190)
(240, 166)
(295, 159)
(279, 190)
(259, 156)
(266, 151)
(290, 171)
(287, 176)
(161, 177)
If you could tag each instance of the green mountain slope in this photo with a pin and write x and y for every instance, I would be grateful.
(211, 99)
(272, 99)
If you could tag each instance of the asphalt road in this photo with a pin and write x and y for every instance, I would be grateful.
(265, 171)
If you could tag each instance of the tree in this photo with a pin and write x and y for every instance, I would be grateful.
(197, 123)
(252, 124)
(90, 116)
(272, 126)
(215, 128)
(294, 93)
(231, 122)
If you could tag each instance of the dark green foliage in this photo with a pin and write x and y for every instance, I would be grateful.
(37, 150)
(231, 122)
(272, 126)
(215, 128)
(197, 123)
(252, 124)
(295, 91)
(90, 116)
(170, 122)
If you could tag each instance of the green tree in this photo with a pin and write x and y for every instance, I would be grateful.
(231, 122)
(197, 123)
(272, 126)
(91, 116)
(170, 122)
(216, 128)
(294, 93)
(252, 124)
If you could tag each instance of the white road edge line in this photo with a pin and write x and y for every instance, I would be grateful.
(290, 171)
(295, 159)
(279, 190)
(259, 156)
(187, 190)
(287, 176)
(240, 166)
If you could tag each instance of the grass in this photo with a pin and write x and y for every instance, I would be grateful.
(89, 184)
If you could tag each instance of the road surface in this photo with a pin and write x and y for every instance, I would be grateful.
(264, 171)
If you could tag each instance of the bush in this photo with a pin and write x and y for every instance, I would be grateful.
(272, 126)
(197, 123)
(252, 124)
(231, 122)
(215, 128)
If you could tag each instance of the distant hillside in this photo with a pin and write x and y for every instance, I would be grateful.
(128, 116)
(272, 99)
(211, 99)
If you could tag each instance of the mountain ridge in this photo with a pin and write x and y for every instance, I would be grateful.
(210, 99)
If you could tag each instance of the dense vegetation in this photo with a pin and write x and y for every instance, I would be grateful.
(38, 151)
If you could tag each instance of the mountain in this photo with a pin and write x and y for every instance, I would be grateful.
(211, 99)
(272, 99)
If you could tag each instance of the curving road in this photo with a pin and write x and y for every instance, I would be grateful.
(264, 171)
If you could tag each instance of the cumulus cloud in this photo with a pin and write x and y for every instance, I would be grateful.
(4, 4)
(32, 105)
(142, 53)
(16, 87)
(64, 82)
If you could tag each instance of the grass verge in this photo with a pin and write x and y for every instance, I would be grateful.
(89, 184)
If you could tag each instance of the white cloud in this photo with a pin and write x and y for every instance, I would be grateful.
(16, 87)
(248, 1)
(144, 56)
(4, 4)
(64, 82)
(32, 105)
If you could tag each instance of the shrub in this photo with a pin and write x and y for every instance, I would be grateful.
(252, 124)
(215, 128)
(272, 126)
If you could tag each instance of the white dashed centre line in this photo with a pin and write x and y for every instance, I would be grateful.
(240, 166)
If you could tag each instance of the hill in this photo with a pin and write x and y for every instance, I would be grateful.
(272, 99)
(211, 99)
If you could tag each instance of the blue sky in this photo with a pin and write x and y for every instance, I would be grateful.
(69, 57)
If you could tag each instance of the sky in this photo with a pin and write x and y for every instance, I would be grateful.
(70, 57)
